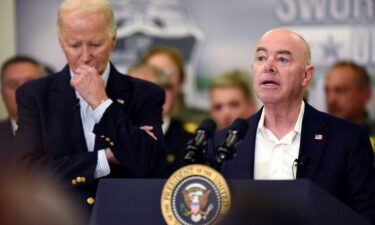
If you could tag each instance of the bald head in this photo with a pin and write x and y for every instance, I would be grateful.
(87, 6)
(281, 68)
(294, 37)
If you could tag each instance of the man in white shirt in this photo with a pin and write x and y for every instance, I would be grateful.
(84, 122)
(289, 139)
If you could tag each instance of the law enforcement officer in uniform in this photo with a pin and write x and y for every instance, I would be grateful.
(348, 90)
(176, 133)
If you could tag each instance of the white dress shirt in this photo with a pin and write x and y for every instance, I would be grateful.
(166, 124)
(275, 159)
(14, 125)
(89, 119)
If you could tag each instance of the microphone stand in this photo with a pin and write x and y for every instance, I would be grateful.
(195, 155)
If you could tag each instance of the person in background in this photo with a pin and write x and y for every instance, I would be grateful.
(175, 133)
(348, 90)
(288, 139)
(48, 69)
(88, 121)
(231, 98)
(171, 62)
(15, 71)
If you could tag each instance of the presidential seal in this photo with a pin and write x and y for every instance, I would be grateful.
(195, 194)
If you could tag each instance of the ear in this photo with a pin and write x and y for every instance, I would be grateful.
(114, 39)
(61, 43)
(308, 75)
(368, 93)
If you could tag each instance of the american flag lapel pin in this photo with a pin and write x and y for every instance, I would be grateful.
(318, 137)
(121, 101)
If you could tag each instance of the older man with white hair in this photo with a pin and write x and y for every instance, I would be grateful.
(88, 121)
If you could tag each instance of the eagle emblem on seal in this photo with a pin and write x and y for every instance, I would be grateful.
(195, 202)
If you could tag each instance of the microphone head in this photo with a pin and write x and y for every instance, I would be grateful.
(196, 148)
(208, 125)
(240, 125)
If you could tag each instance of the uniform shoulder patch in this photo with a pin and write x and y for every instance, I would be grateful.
(190, 127)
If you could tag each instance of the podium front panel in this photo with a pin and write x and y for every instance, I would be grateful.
(137, 201)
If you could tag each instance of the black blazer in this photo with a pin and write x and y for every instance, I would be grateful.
(341, 162)
(6, 140)
(50, 129)
(175, 138)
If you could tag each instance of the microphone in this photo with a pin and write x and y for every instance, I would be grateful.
(196, 148)
(298, 163)
(227, 150)
(301, 161)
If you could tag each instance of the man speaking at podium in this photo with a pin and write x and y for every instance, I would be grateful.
(89, 121)
(289, 139)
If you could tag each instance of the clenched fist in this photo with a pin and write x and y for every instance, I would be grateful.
(89, 84)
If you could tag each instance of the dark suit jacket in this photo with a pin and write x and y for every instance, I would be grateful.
(50, 129)
(175, 138)
(341, 162)
(6, 140)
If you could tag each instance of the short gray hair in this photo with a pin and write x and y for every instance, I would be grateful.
(88, 6)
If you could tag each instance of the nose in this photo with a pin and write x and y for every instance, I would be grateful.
(269, 66)
(86, 55)
(226, 116)
(330, 98)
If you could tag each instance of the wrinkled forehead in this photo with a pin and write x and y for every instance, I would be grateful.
(74, 17)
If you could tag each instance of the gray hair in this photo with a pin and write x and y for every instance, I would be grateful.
(88, 6)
